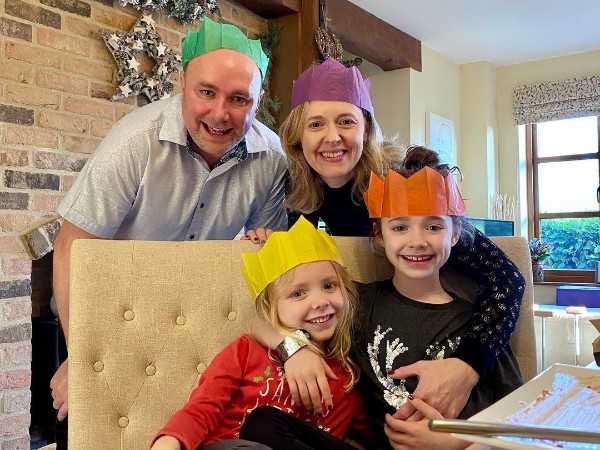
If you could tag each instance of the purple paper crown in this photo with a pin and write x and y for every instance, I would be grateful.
(332, 81)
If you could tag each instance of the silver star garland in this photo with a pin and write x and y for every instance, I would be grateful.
(142, 38)
(184, 11)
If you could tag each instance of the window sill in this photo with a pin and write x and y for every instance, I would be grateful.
(564, 283)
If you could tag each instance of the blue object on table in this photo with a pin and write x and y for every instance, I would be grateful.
(588, 296)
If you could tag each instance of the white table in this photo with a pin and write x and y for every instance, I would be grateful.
(576, 313)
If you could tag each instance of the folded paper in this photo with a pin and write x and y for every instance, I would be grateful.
(425, 193)
(213, 36)
(285, 250)
(332, 81)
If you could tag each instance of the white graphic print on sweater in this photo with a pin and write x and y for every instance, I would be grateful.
(396, 394)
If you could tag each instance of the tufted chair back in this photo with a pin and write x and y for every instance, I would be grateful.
(147, 317)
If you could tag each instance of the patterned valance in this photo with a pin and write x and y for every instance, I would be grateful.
(576, 97)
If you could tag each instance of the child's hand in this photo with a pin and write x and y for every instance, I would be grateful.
(306, 374)
(258, 236)
(416, 435)
(444, 384)
(166, 443)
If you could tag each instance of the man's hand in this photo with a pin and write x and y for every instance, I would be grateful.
(306, 374)
(258, 236)
(58, 384)
(416, 435)
(444, 384)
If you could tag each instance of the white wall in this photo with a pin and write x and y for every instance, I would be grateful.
(478, 142)
(403, 97)
(391, 100)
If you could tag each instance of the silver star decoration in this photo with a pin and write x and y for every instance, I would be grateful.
(125, 90)
(133, 63)
(142, 38)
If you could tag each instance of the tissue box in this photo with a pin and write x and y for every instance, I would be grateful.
(588, 296)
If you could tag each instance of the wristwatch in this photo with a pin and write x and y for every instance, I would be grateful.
(290, 345)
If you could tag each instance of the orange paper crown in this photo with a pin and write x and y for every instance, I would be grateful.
(425, 193)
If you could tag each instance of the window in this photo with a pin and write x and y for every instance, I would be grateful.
(563, 188)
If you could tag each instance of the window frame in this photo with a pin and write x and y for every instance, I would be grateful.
(535, 217)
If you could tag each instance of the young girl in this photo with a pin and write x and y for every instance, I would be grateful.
(419, 218)
(298, 284)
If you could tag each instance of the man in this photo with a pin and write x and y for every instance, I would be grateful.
(195, 166)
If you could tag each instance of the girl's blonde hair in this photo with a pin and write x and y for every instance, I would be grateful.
(305, 190)
(338, 347)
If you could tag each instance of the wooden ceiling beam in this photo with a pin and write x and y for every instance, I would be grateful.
(369, 37)
(271, 9)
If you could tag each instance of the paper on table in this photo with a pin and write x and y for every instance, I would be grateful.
(514, 405)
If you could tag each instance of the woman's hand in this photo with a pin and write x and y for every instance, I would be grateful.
(166, 443)
(416, 435)
(306, 374)
(445, 384)
(258, 236)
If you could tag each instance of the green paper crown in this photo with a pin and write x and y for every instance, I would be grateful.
(213, 36)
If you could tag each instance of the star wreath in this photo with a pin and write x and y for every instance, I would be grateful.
(142, 38)
(184, 11)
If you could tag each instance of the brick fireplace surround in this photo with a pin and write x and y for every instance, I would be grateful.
(56, 83)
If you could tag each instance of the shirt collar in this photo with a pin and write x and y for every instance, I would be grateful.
(240, 151)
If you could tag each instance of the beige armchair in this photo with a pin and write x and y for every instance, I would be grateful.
(147, 318)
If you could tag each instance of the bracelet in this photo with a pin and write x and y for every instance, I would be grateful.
(290, 345)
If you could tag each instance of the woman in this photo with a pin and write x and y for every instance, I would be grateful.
(330, 185)
(330, 138)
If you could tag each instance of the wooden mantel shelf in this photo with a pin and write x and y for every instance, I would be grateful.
(371, 38)
(271, 9)
(360, 32)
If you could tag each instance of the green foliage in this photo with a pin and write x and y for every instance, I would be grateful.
(575, 243)
(268, 105)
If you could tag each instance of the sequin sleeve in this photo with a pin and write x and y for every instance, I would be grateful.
(497, 304)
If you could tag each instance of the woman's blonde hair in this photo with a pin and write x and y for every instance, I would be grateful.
(305, 190)
(338, 347)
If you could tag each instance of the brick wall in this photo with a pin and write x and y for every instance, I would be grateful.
(56, 81)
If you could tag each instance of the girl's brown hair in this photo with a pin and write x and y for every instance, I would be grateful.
(417, 157)
(305, 190)
(338, 346)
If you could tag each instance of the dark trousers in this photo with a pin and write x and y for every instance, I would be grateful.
(234, 444)
(281, 431)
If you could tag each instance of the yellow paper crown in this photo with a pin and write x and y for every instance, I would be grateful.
(425, 193)
(285, 250)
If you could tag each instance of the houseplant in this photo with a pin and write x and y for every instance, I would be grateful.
(539, 251)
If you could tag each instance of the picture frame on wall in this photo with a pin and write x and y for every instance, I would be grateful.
(439, 133)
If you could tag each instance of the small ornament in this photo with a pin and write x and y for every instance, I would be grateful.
(142, 38)
(538, 271)
(184, 11)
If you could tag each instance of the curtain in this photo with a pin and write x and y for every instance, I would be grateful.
(576, 97)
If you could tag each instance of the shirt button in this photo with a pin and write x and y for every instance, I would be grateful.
(192, 236)
(201, 205)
